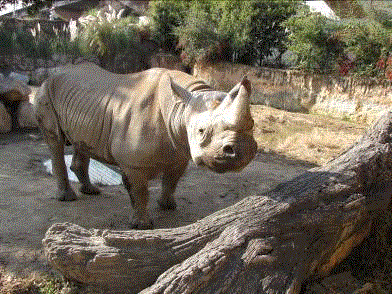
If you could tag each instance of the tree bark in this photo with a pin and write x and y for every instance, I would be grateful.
(263, 244)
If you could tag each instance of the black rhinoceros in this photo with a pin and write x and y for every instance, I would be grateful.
(145, 123)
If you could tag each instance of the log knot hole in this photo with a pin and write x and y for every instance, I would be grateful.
(258, 252)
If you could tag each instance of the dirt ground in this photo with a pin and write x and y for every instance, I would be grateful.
(288, 144)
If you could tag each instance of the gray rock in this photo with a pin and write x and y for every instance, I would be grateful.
(20, 77)
(25, 115)
(13, 89)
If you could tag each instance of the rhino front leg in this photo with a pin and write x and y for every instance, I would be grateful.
(170, 178)
(136, 183)
(79, 165)
(56, 146)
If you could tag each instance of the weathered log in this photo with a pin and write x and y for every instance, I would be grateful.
(263, 244)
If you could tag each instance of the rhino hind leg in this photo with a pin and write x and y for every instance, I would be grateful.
(128, 186)
(170, 178)
(79, 165)
(56, 146)
(136, 183)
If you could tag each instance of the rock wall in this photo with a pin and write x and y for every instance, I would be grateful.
(341, 97)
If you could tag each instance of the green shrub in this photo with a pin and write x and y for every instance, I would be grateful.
(6, 40)
(264, 34)
(197, 36)
(65, 41)
(369, 42)
(165, 16)
(313, 40)
(108, 36)
(229, 30)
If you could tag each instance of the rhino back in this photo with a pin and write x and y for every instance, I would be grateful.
(189, 82)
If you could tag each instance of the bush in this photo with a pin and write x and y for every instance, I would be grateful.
(313, 40)
(228, 30)
(6, 40)
(197, 35)
(323, 45)
(35, 43)
(370, 43)
(265, 34)
(165, 16)
(65, 41)
(110, 37)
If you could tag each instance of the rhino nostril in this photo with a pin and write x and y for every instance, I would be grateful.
(228, 150)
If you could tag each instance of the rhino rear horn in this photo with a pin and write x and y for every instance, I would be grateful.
(238, 111)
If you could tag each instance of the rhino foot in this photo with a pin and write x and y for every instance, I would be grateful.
(67, 195)
(89, 190)
(167, 204)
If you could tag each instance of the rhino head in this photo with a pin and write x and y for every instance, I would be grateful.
(220, 132)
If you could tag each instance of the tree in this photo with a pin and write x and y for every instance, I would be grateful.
(166, 15)
(263, 244)
(312, 37)
(267, 33)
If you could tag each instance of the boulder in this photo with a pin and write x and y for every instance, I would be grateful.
(25, 115)
(5, 119)
(38, 76)
(20, 77)
(12, 89)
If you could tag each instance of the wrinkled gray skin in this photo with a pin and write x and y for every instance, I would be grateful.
(146, 123)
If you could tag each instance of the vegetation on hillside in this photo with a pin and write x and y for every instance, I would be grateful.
(254, 32)
(236, 31)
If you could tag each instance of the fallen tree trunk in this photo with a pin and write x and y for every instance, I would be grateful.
(263, 244)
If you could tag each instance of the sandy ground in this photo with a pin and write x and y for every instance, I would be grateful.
(27, 192)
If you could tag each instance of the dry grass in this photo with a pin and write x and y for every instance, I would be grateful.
(39, 284)
(305, 137)
(10, 284)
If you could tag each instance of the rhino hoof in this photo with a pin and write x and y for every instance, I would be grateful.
(89, 190)
(167, 205)
(67, 196)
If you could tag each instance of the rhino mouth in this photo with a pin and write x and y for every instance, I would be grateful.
(222, 164)
(229, 156)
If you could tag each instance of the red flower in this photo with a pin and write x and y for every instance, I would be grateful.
(345, 66)
(388, 74)
(381, 63)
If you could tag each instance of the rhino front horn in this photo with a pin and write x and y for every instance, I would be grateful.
(239, 110)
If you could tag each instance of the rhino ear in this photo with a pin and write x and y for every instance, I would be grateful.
(179, 92)
(168, 88)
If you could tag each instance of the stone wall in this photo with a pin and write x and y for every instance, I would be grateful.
(341, 97)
